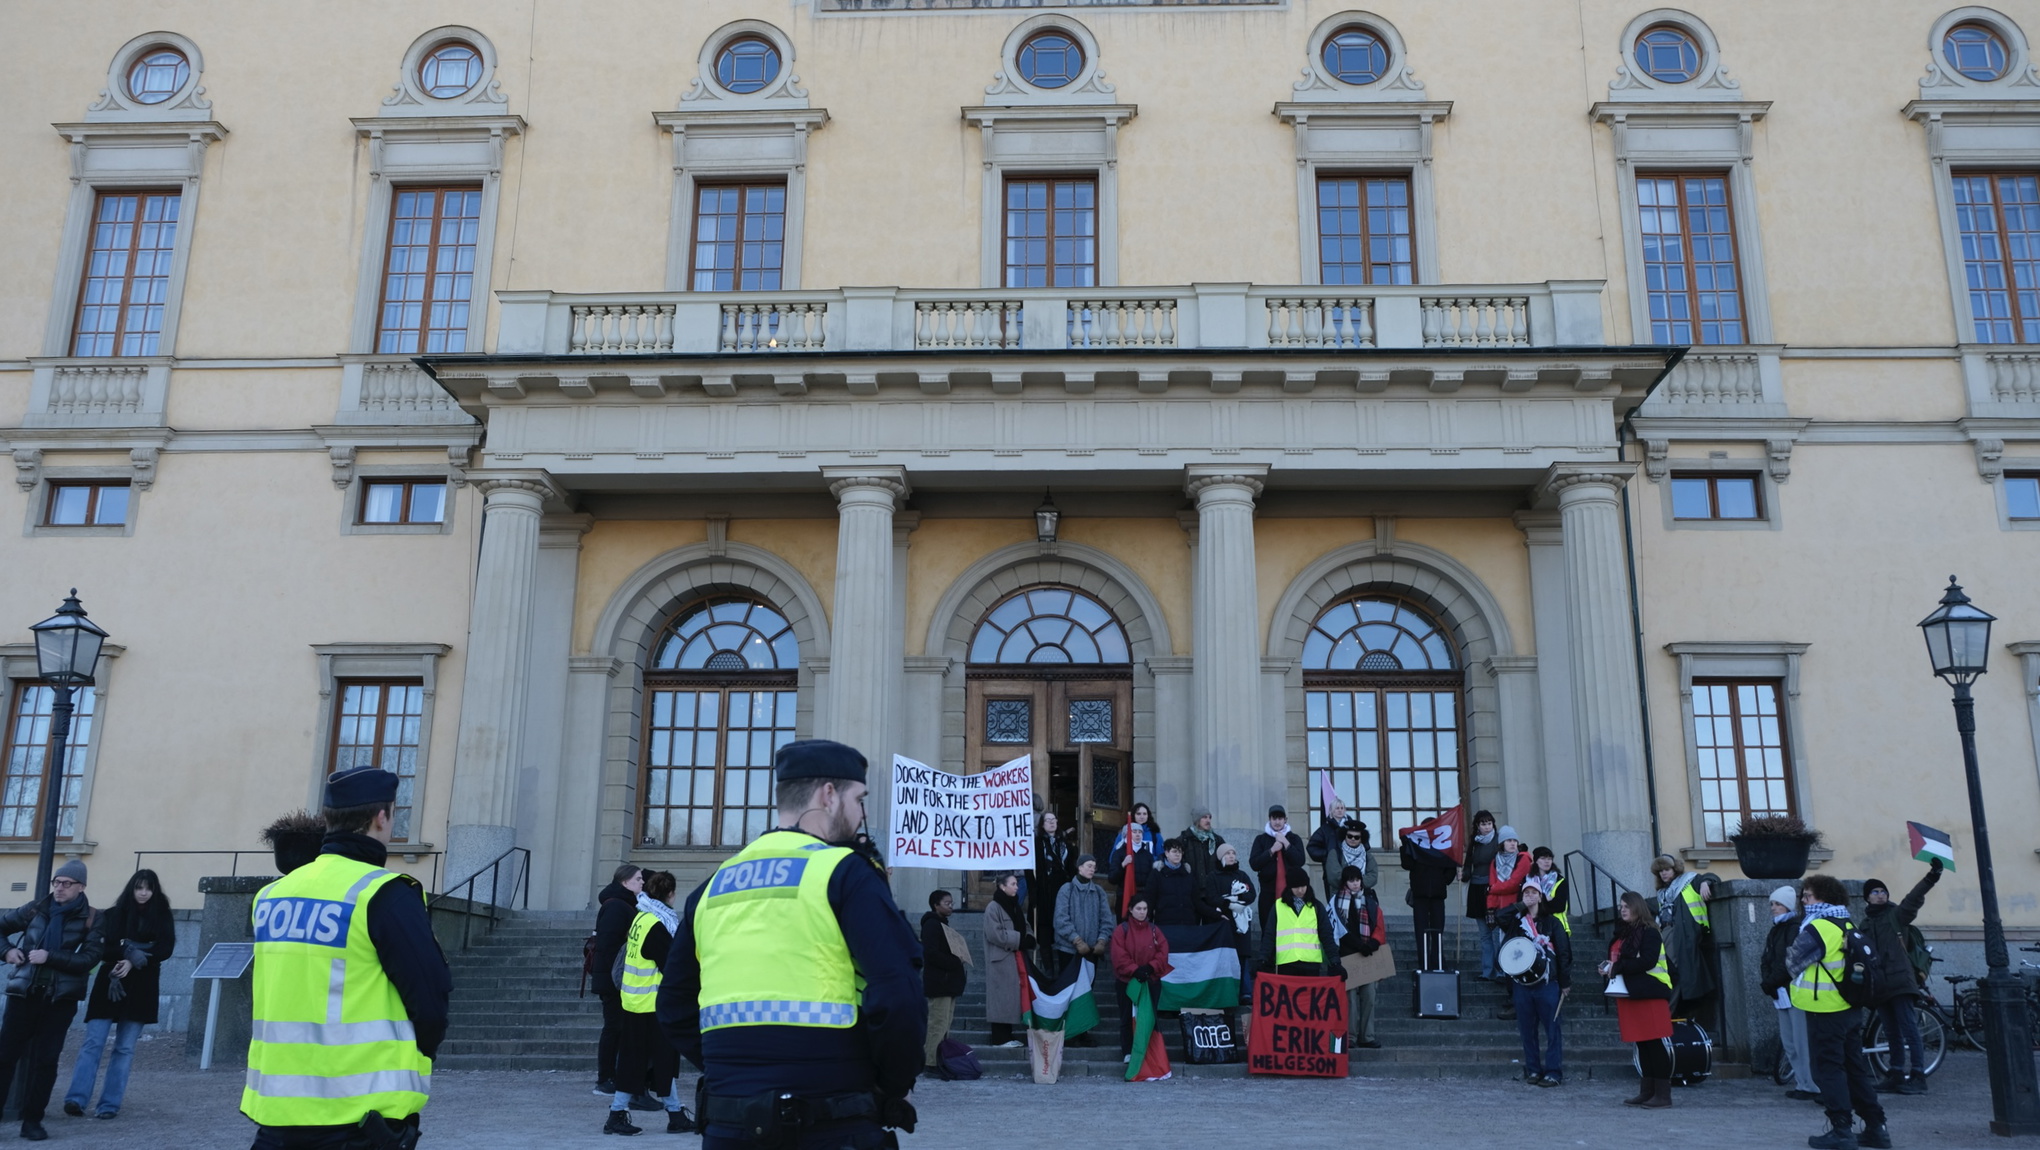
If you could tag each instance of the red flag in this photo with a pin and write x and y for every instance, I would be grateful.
(1126, 881)
(1444, 831)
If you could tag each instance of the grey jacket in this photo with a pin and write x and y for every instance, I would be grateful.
(1081, 912)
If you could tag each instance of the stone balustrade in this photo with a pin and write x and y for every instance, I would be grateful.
(1234, 316)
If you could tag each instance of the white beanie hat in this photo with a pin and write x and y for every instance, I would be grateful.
(1508, 833)
(1785, 896)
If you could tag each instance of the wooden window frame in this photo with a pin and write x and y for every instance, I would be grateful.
(409, 485)
(377, 748)
(742, 186)
(1713, 480)
(76, 758)
(1679, 176)
(423, 331)
(723, 682)
(2025, 329)
(1406, 178)
(1007, 180)
(2028, 476)
(91, 504)
(1742, 776)
(127, 286)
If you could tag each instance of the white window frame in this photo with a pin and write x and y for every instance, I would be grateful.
(2028, 652)
(343, 661)
(1742, 660)
(18, 665)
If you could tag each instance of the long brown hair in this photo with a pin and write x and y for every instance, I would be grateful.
(1640, 917)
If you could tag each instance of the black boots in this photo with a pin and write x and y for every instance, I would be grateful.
(1841, 1137)
(1660, 1094)
(620, 1123)
(679, 1122)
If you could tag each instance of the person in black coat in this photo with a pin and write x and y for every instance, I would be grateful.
(616, 907)
(1538, 1003)
(1886, 924)
(943, 977)
(1173, 891)
(55, 943)
(1055, 864)
(1277, 858)
(140, 936)
(1431, 875)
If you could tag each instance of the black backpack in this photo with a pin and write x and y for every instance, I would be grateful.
(1859, 984)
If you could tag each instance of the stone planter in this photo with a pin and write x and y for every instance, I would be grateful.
(1771, 857)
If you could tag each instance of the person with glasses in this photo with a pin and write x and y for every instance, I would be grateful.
(53, 944)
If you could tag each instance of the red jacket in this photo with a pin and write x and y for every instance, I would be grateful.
(1138, 944)
(1503, 894)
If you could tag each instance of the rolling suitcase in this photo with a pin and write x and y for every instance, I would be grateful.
(1437, 994)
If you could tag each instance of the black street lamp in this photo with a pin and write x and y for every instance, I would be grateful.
(1046, 517)
(66, 653)
(1958, 642)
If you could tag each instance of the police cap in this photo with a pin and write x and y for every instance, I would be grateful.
(360, 787)
(818, 759)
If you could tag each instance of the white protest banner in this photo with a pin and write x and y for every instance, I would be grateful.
(963, 822)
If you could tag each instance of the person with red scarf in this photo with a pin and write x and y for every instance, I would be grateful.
(1505, 875)
(1139, 951)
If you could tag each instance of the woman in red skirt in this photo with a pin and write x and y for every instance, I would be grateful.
(1645, 1013)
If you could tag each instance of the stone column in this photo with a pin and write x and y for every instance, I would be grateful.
(1552, 619)
(487, 759)
(1608, 731)
(863, 664)
(1228, 772)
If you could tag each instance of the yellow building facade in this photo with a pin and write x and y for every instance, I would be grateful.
(1566, 409)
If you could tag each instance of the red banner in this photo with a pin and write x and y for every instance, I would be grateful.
(1445, 831)
(1299, 1027)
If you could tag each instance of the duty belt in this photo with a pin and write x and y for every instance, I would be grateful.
(766, 1117)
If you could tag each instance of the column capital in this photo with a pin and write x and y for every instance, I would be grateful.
(1199, 478)
(845, 480)
(1569, 482)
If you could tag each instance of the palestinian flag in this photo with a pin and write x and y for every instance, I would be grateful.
(1063, 1003)
(1929, 844)
(1205, 969)
(1154, 1059)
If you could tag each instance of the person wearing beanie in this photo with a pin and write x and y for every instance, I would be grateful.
(1505, 875)
(1200, 845)
(1817, 961)
(1772, 977)
(1230, 892)
(1894, 940)
(53, 944)
(1297, 938)
(1278, 858)
(1083, 921)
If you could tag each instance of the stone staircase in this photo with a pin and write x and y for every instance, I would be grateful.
(515, 1008)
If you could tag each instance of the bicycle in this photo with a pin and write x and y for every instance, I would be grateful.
(1936, 1022)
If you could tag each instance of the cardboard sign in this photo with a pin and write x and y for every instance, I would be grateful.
(1299, 1027)
(962, 822)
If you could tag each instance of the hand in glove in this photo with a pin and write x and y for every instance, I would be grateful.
(897, 1114)
(1366, 945)
(1144, 973)
(1027, 942)
(1934, 865)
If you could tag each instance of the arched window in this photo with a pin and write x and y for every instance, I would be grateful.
(1383, 694)
(1050, 625)
(720, 699)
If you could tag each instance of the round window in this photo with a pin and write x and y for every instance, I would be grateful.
(450, 70)
(157, 75)
(1668, 54)
(746, 64)
(1356, 55)
(1051, 60)
(1976, 51)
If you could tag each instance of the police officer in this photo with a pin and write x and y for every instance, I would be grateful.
(350, 988)
(793, 983)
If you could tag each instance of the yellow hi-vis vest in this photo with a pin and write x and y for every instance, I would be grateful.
(1695, 905)
(1296, 934)
(1818, 988)
(771, 951)
(1663, 970)
(1564, 923)
(640, 986)
(331, 1039)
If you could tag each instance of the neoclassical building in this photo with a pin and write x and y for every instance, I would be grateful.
(1566, 412)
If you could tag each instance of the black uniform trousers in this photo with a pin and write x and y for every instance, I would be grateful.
(34, 1028)
(1840, 1068)
(859, 1135)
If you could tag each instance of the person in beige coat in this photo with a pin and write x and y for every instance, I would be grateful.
(1004, 939)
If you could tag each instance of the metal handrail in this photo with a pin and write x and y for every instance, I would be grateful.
(234, 866)
(494, 871)
(1597, 877)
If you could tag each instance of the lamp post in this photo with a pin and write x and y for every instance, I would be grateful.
(1958, 642)
(66, 653)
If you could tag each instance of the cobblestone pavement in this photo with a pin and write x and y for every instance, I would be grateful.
(172, 1104)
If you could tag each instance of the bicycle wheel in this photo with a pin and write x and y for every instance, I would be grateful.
(1969, 1017)
(1933, 1039)
(1877, 1046)
(1781, 1071)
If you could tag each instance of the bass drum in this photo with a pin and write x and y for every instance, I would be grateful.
(1691, 1050)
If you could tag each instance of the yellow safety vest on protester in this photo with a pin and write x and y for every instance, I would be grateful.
(1695, 905)
(1818, 988)
(1296, 935)
(1564, 923)
(771, 951)
(1663, 970)
(331, 1038)
(640, 986)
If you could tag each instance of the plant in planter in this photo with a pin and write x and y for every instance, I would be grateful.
(1774, 846)
(294, 839)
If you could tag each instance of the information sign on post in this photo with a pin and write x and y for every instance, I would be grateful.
(226, 960)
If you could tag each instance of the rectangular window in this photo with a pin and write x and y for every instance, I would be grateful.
(1393, 754)
(2022, 496)
(1364, 230)
(376, 724)
(1689, 259)
(28, 760)
(403, 501)
(127, 274)
(1051, 235)
(1998, 215)
(708, 765)
(1740, 736)
(1716, 497)
(86, 505)
(739, 237)
(429, 270)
